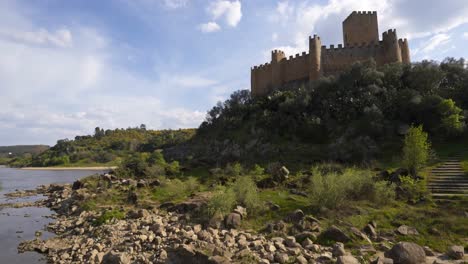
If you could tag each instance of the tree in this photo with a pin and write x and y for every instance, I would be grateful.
(452, 119)
(416, 149)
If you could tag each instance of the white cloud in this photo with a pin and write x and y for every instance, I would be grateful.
(231, 11)
(435, 42)
(174, 4)
(465, 35)
(61, 37)
(209, 27)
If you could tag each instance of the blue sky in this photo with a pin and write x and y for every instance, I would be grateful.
(69, 66)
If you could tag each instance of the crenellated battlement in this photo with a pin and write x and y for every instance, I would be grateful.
(360, 43)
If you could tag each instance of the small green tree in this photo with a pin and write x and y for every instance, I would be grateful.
(416, 149)
(452, 118)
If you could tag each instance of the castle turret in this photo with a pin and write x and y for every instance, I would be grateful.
(405, 52)
(276, 75)
(391, 47)
(315, 55)
(360, 27)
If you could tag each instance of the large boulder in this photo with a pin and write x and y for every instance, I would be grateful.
(115, 258)
(407, 253)
(335, 234)
(294, 217)
(233, 220)
(456, 252)
(347, 260)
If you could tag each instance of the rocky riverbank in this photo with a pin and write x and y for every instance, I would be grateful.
(155, 235)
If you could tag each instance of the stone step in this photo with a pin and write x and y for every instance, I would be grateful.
(447, 177)
(447, 169)
(457, 188)
(448, 191)
(445, 195)
(449, 184)
(449, 174)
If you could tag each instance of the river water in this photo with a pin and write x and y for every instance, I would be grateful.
(18, 224)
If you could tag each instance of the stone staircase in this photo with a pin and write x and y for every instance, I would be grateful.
(448, 181)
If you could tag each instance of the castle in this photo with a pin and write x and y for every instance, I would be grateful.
(361, 43)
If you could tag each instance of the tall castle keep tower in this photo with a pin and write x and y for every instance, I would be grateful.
(360, 43)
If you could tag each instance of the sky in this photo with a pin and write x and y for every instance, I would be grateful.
(67, 67)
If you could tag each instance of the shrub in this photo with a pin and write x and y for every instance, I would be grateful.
(246, 193)
(234, 169)
(108, 216)
(412, 190)
(384, 192)
(173, 168)
(222, 202)
(333, 188)
(416, 149)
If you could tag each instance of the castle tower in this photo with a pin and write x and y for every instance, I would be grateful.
(276, 75)
(391, 47)
(405, 53)
(360, 27)
(315, 58)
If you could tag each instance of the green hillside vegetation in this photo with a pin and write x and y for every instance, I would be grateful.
(7, 153)
(105, 147)
(358, 116)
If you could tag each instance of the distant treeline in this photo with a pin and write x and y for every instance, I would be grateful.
(105, 147)
(19, 150)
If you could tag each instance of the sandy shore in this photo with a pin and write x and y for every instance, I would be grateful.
(69, 168)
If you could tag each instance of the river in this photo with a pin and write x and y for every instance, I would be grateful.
(17, 224)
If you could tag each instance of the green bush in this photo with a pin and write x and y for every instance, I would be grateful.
(234, 169)
(333, 189)
(384, 192)
(246, 193)
(416, 149)
(222, 202)
(108, 216)
(412, 190)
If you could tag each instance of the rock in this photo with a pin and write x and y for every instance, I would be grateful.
(233, 220)
(273, 206)
(297, 192)
(290, 241)
(204, 235)
(142, 213)
(241, 211)
(295, 216)
(407, 253)
(347, 260)
(77, 185)
(338, 250)
(155, 183)
(301, 260)
(359, 235)
(382, 260)
(407, 230)
(163, 254)
(429, 252)
(142, 183)
(335, 234)
(456, 252)
(115, 258)
(370, 231)
(307, 242)
(281, 258)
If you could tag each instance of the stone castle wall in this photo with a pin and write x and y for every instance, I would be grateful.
(323, 61)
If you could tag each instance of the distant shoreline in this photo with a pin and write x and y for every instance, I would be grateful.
(69, 168)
